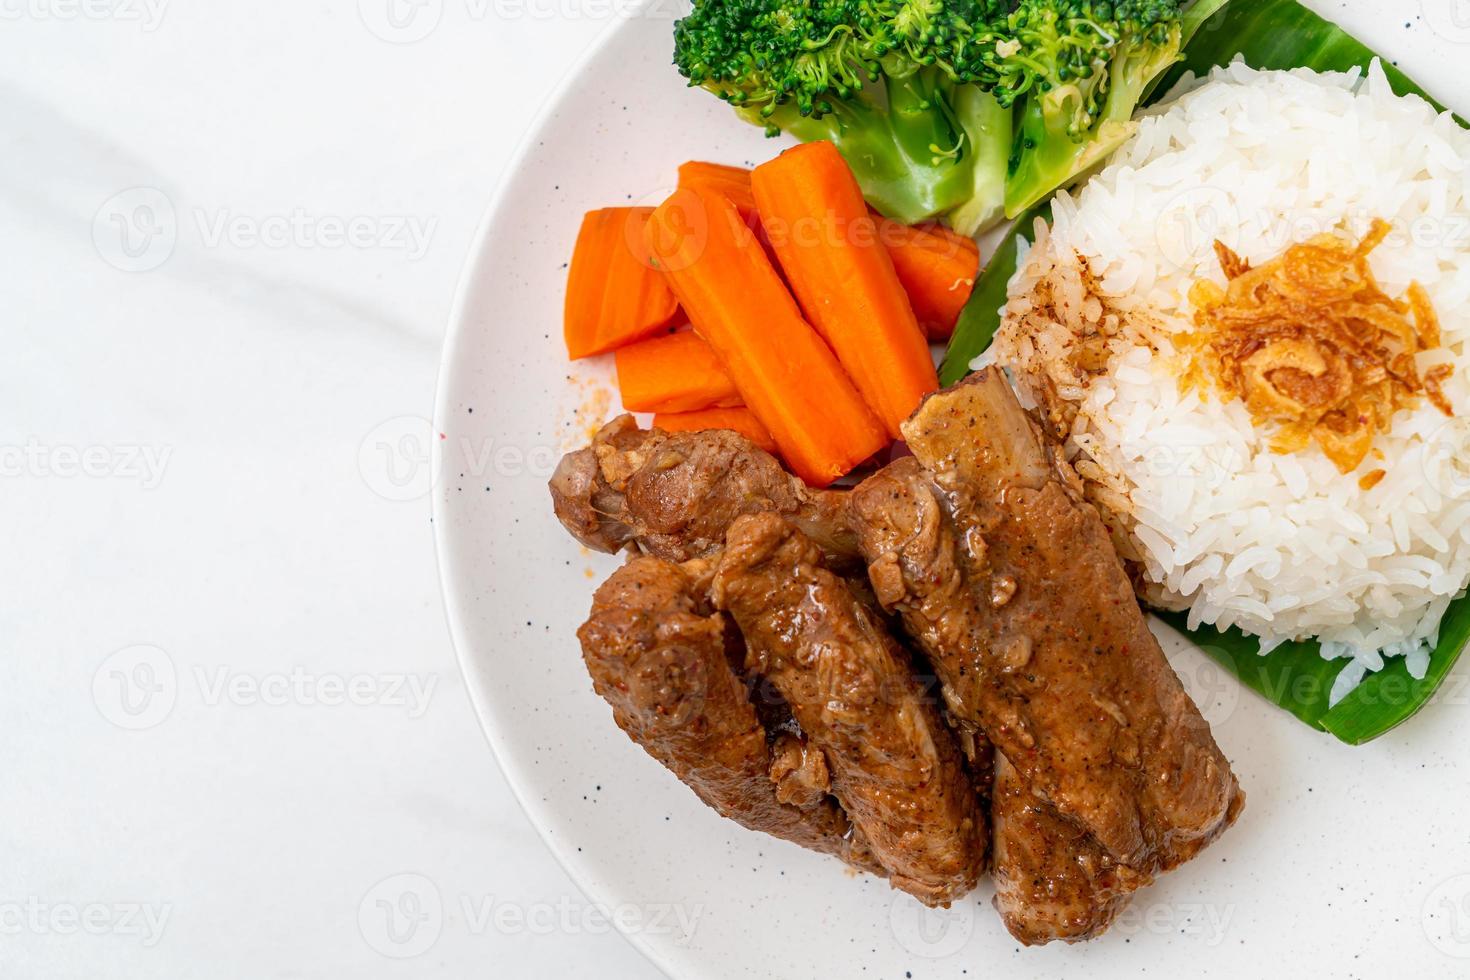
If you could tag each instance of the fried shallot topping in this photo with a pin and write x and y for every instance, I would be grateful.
(1312, 344)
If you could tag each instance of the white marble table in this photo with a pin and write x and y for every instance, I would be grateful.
(228, 701)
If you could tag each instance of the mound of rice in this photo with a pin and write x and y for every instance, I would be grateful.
(1283, 546)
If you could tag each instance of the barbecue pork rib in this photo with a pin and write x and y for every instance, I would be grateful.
(673, 495)
(1010, 584)
(1052, 879)
(661, 657)
(895, 767)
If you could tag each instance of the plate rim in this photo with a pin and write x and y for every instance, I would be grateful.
(518, 779)
(449, 357)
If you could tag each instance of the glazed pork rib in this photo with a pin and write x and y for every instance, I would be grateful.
(894, 765)
(660, 656)
(1106, 774)
(1052, 879)
(1009, 582)
(674, 495)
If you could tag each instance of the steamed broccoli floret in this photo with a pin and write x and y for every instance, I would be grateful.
(1086, 65)
(878, 79)
(962, 109)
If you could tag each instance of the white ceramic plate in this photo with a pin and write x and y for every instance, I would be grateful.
(1347, 862)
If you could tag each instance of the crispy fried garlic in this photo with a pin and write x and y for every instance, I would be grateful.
(1312, 345)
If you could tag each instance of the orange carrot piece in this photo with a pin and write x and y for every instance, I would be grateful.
(937, 268)
(828, 244)
(733, 182)
(740, 420)
(787, 377)
(614, 295)
(676, 373)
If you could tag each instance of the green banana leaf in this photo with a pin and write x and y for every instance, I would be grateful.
(1278, 35)
(1269, 34)
(980, 318)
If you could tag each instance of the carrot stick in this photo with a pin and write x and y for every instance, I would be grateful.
(733, 182)
(813, 210)
(787, 377)
(937, 268)
(614, 296)
(740, 420)
(677, 373)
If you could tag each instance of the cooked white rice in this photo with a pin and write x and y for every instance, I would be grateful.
(1282, 546)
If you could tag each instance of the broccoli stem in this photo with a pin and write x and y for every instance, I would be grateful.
(931, 139)
(1048, 157)
(900, 140)
(988, 128)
